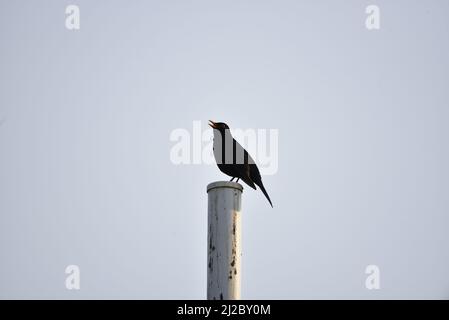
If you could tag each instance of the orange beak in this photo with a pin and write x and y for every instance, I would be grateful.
(212, 124)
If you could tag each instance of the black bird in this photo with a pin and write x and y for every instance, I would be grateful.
(232, 159)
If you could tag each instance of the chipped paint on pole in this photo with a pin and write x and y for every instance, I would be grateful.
(224, 240)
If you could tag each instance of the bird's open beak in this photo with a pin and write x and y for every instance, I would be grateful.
(212, 124)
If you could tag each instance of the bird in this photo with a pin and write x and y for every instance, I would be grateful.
(233, 160)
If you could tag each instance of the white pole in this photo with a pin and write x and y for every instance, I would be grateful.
(224, 240)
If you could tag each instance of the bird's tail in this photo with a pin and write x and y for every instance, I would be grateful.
(265, 193)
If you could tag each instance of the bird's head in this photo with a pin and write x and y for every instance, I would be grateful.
(220, 126)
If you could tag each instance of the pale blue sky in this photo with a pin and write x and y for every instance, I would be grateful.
(85, 172)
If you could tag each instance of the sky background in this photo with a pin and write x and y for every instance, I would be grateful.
(85, 170)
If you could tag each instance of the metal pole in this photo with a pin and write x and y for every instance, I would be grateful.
(224, 240)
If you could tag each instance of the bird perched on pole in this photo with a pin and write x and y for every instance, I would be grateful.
(232, 159)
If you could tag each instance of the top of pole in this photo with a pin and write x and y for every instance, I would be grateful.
(224, 184)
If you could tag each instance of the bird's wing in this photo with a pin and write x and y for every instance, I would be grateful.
(242, 156)
(257, 179)
(244, 161)
(247, 177)
(252, 174)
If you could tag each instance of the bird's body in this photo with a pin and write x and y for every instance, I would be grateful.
(232, 159)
